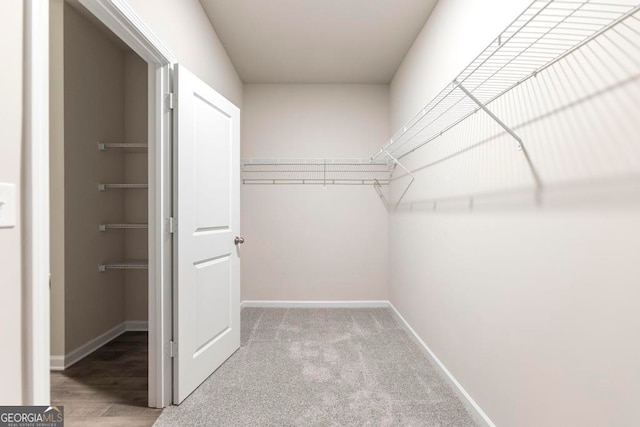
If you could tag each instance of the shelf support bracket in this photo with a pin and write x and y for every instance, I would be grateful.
(504, 126)
(324, 173)
(378, 188)
(413, 178)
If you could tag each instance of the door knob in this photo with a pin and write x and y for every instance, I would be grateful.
(239, 240)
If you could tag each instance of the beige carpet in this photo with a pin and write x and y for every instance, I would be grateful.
(322, 367)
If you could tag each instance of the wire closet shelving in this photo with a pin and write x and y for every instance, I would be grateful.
(317, 171)
(129, 186)
(142, 264)
(123, 226)
(104, 146)
(128, 264)
(546, 32)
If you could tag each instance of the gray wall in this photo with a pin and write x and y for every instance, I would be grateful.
(531, 307)
(93, 103)
(102, 92)
(136, 170)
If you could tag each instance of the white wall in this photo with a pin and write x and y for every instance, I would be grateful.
(184, 28)
(531, 307)
(305, 242)
(11, 48)
(452, 37)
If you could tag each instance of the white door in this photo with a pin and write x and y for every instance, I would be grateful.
(207, 210)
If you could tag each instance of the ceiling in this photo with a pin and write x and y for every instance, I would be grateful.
(317, 41)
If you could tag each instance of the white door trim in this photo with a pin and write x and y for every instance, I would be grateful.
(35, 217)
(120, 18)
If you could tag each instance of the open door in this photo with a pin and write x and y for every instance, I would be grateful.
(207, 213)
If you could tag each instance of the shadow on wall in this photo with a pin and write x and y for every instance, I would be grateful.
(578, 120)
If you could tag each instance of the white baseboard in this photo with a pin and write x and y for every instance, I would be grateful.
(476, 412)
(136, 325)
(60, 363)
(57, 363)
(316, 304)
(88, 348)
(474, 409)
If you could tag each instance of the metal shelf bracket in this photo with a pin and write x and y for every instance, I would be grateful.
(520, 144)
(413, 178)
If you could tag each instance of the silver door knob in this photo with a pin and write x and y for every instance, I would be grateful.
(238, 240)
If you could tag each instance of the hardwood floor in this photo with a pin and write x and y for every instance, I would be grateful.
(108, 387)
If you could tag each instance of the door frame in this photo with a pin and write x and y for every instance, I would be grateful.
(35, 205)
(120, 18)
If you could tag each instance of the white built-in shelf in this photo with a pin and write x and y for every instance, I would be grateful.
(104, 146)
(316, 171)
(141, 264)
(105, 187)
(130, 226)
(544, 33)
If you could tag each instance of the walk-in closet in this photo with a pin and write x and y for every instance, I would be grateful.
(342, 212)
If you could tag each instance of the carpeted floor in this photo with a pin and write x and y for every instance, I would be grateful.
(322, 367)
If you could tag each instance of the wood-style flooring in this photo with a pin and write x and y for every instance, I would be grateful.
(108, 387)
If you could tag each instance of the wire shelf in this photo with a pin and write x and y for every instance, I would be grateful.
(544, 33)
(105, 187)
(104, 146)
(317, 171)
(141, 264)
(131, 226)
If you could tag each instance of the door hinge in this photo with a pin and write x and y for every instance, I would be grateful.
(170, 100)
(172, 225)
(173, 349)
